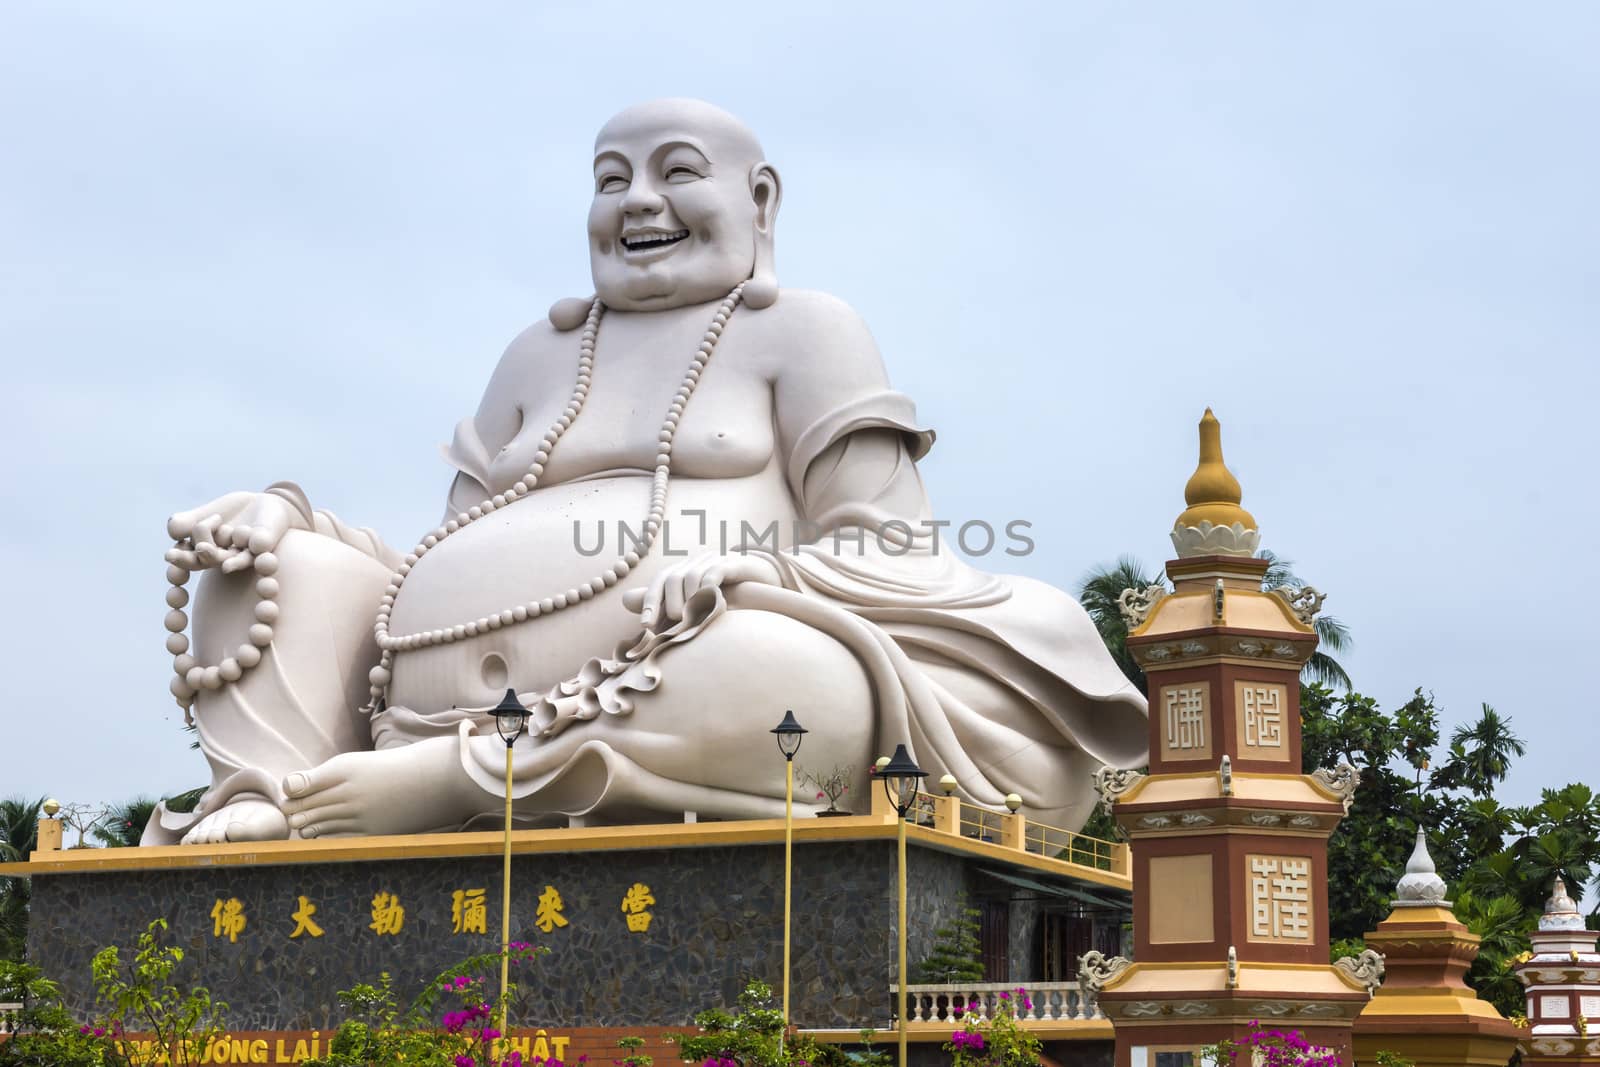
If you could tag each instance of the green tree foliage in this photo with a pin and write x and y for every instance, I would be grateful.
(1368, 853)
(140, 997)
(19, 836)
(123, 824)
(45, 1032)
(956, 955)
(1499, 861)
(1481, 752)
(377, 1032)
(1332, 635)
(752, 1035)
(631, 1056)
(1099, 591)
(134, 997)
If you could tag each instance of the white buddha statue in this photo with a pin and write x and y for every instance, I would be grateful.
(747, 436)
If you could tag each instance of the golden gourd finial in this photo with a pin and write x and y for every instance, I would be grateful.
(1213, 494)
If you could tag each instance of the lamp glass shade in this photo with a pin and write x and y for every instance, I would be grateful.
(510, 717)
(790, 733)
(902, 779)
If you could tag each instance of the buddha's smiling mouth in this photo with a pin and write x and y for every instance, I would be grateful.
(644, 242)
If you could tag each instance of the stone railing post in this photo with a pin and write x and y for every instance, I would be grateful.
(49, 835)
(947, 814)
(880, 800)
(1014, 831)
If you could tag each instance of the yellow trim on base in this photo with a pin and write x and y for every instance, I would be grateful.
(534, 842)
(1402, 917)
(1213, 978)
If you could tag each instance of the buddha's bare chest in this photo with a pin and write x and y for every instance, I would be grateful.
(725, 431)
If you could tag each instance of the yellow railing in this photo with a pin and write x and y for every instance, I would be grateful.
(953, 815)
(1070, 846)
(979, 823)
(924, 811)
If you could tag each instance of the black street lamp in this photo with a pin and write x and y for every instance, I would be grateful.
(510, 719)
(789, 733)
(902, 779)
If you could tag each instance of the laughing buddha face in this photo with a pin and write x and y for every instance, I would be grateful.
(683, 206)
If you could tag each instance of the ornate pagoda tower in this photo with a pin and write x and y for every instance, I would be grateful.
(1425, 1011)
(1229, 839)
(1562, 974)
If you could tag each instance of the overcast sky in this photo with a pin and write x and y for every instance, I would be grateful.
(242, 243)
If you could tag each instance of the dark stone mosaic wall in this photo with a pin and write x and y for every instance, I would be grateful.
(1026, 948)
(935, 885)
(716, 921)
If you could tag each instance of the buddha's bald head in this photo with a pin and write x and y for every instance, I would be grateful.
(683, 113)
(683, 208)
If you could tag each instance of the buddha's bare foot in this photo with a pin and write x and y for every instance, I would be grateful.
(242, 820)
(406, 790)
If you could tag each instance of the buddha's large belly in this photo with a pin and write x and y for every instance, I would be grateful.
(547, 543)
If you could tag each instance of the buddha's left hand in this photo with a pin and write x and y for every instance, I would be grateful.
(662, 601)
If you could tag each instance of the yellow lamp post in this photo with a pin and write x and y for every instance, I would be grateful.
(790, 733)
(510, 719)
(902, 778)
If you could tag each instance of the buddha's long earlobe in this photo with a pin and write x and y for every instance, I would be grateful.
(766, 189)
(570, 313)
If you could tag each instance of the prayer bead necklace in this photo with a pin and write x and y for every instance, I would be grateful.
(190, 676)
(381, 675)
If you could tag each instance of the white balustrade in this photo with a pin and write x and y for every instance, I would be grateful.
(1049, 1001)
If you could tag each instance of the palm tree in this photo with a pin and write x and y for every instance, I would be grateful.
(19, 835)
(1483, 751)
(1332, 635)
(19, 826)
(1099, 590)
(1503, 924)
(1542, 858)
(1484, 824)
(123, 824)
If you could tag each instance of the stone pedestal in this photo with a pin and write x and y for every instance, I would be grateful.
(1424, 1009)
(646, 925)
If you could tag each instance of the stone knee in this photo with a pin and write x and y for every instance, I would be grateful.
(721, 694)
(300, 704)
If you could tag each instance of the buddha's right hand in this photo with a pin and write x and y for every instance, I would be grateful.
(232, 530)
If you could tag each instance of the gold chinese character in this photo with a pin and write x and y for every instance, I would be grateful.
(634, 903)
(387, 914)
(549, 916)
(469, 913)
(227, 917)
(302, 919)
